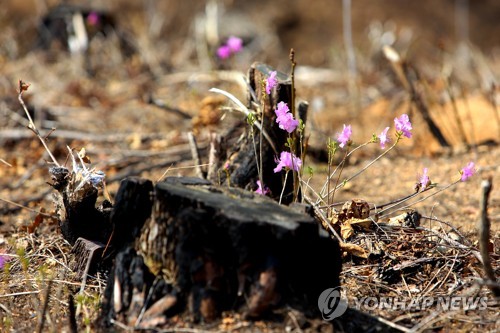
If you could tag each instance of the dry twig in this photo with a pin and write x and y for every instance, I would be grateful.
(484, 236)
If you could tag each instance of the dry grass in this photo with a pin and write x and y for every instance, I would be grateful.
(36, 283)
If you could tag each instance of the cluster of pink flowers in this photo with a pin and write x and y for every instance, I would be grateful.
(424, 181)
(286, 122)
(403, 126)
(285, 119)
(233, 45)
(289, 161)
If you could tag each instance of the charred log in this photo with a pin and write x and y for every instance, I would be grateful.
(217, 249)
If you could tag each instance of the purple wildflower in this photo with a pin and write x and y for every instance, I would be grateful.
(260, 190)
(383, 138)
(343, 138)
(281, 109)
(235, 44)
(285, 118)
(3, 260)
(288, 160)
(271, 82)
(287, 123)
(468, 171)
(403, 125)
(424, 180)
(224, 52)
(93, 18)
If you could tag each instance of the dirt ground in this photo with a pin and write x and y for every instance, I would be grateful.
(100, 100)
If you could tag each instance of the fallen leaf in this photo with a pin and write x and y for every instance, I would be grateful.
(354, 249)
(363, 223)
(346, 230)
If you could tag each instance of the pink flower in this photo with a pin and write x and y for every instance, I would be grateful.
(467, 172)
(403, 125)
(288, 160)
(281, 109)
(224, 52)
(285, 118)
(235, 44)
(260, 190)
(424, 180)
(383, 138)
(343, 138)
(287, 123)
(3, 260)
(93, 18)
(271, 82)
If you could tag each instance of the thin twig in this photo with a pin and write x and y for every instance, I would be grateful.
(160, 104)
(454, 107)
(424, 198)
(195, 154)
(322, 217)
(22, 87)
(453, 242)
(180, 168)
(345, 157)
(30, 209)
(370, 163)
(293, 317)
(45, 307)
(284, 185)
(20, 293)
(214, 155)
(484, 235)
(73, 326)
(5, 162)
(19, 134)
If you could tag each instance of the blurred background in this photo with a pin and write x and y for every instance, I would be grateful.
(128, 79)
(423, 28)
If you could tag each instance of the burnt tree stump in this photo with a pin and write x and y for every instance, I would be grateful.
(78, 214)
(186, 246)
(241, 159)
(133, 204)
(208, 249)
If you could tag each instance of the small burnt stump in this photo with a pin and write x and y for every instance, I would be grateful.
(241, 161)
(215, 249)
